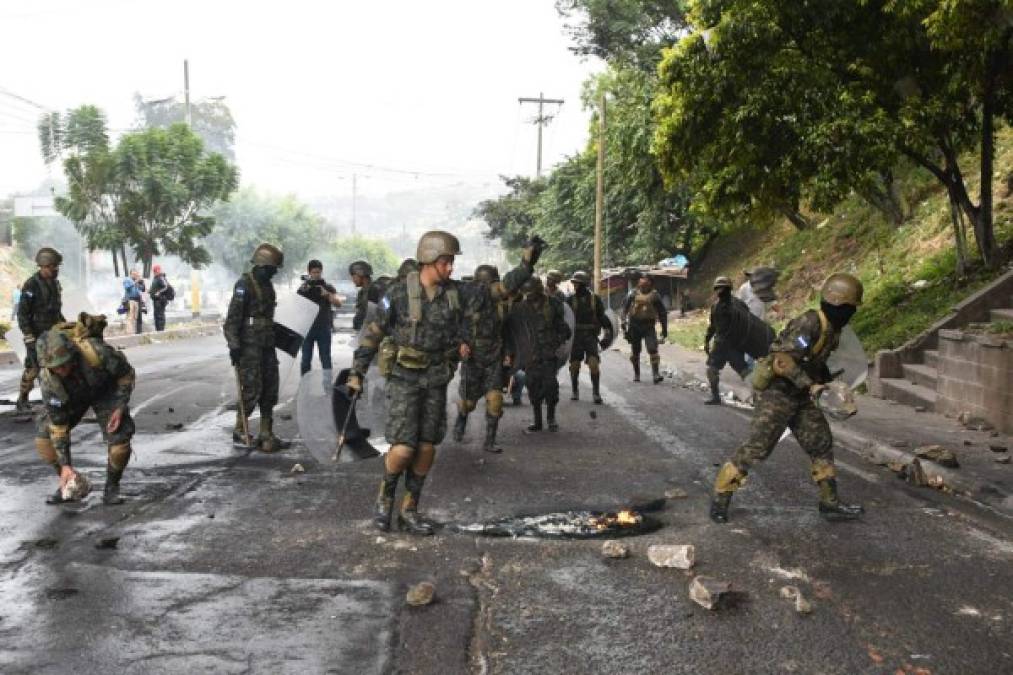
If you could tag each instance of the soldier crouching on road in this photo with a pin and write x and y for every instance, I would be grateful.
(81, 371)
(425, 319)
(641, 311)
(788, 384)
(542, 317)
(249, 332)
(482, 374)
(39, 309)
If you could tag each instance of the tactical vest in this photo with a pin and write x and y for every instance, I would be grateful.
(585, 312)
(260, 312)
(47, 305)
(643, 308)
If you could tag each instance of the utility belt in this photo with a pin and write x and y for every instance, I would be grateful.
(258, 322)
(764, 377)
(409, 357)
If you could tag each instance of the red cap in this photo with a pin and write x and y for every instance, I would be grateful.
(157, 269)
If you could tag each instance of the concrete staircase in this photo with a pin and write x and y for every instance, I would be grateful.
(909, 375)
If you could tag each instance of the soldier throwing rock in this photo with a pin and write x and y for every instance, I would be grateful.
(81, 371)
(249, 332)
(641, 311)
(424, 317)
(787, 385)
(590, 318)
(39, 309)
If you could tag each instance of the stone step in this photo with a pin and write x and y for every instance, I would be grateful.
(910, 394)
(1002, 315)
(917, 373)
(931, 358)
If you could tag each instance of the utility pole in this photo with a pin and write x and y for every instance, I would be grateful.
(599, 197)
(186, 91)
(354, 181)
(541, 120)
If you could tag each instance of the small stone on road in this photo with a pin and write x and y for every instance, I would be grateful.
(680, 556)
(615, 549)
(708, 591)
(421, 594)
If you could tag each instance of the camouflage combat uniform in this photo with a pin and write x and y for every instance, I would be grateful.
(546, 326)
(370, 293)
(589, 320)
(249, 328)
(643, 310)
(102, 379)
(39, 309)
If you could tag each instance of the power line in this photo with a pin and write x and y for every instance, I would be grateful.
(541, 120)
(11, 94)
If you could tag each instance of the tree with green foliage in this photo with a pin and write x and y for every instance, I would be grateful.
(345, 250)
(210, 118)
(252, 217)
(630, 32)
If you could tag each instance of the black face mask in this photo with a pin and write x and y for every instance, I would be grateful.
(724, 293)
(839, 315)
(263, 273)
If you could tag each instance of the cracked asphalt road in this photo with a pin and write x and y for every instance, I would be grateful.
(224, 561)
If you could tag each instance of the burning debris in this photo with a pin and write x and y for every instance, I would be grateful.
(566, 525)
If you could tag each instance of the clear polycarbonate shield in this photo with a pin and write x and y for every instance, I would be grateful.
(563, 353)
(372, 311)
(608, 334)
(317, 414)
(293, 317)
(520, 336)
(371, 409)
(849, 359)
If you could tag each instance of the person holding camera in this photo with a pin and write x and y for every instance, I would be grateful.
(326, 296)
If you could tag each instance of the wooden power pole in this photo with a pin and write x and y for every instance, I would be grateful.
(186, 92)
(540, 121)
(599, 198)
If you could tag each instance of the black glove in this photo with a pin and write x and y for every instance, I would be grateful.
(533, 250)
(664, 335)
(234, 356)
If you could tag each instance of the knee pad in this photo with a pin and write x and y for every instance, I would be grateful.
(119, 455)
(494, 403)
(823, 469)
(46, 451)
(424, 459)
(399, 458)
(465, 406)
(655, 358)
(594, 364)
(730, 478)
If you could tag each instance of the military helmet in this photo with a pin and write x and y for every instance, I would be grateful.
(580, 277)
(486, 274)
(408, 265)
(48, 256)
(842, 289)
(553, 276)
(268, 254)
(722, 282)
(54, 349)
(533, 285)
(436, 243)
(360, 267)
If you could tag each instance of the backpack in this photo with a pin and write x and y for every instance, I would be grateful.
(169, 294)
(82, 332)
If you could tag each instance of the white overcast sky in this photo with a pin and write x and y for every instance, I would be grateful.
(428, 85)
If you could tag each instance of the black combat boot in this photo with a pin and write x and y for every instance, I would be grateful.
(22, 405)
(268, 442)
(720, 501)
(595, 388)
(385, 501)
(574, 383)
(111, 492)
(409, 519)
(550, 416)
(459, 426)
(655, 368)
(537, 425)
(240, 440)
(491, 425)
(832, 508)
(713, 380)
(636, 368)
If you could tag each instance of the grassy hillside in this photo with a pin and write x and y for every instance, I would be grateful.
(888, 259)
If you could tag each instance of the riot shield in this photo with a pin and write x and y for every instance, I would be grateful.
(563, 353)
(316, 413)
(608, 330)
(293, 316)
(371, 313)
(849, 359)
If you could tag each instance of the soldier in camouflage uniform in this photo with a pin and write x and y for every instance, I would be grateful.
(787, 384)
(590, 320)
(543, 319)
(249, 332)
(39, 309)
(482, 374)
(81, 371)
(361, 273)
(408, 265)
(425, 317)
(641, 310)
(720, 327)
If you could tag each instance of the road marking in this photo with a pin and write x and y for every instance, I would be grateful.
(656, 433)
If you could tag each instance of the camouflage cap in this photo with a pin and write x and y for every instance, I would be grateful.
(361, 268)
(842, 289)
(48, 256)
(54, 349)
(268, 254)
(581, 277)
(553, 276)
(436, 243)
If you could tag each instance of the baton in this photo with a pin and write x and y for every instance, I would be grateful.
(242, 409)
(344, 427)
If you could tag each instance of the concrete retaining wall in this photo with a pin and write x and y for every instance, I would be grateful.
(976, 376)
